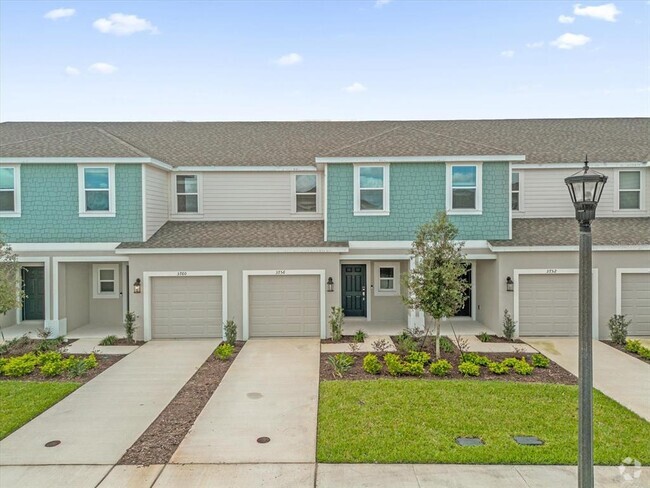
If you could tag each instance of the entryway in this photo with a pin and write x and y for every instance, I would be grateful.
(354, 290)
(33, 279)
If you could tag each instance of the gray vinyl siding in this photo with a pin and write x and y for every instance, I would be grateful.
(157, 199)
(544, 194)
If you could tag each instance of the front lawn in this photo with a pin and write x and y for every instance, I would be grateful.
(21, 401)
(417, 421)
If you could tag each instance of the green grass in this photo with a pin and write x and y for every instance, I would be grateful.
(417, 421)
(21, 401)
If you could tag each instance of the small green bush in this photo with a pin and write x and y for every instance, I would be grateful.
(413, 369)
(230, 332)
(75, 366)
(477, 359)
(52, 368)
(50, 344)
(498, 368)
(394, 364)
(371, 364)
(442, 367)
(406, 344)
(523, 368)
(48, 357)
(644, 352)
(336, 323)
(129, 325)
(484, 337)
(91, 361)
(540, 361)
(510, 362)
(110, 340)
(469, 369)
(20, 365)
(224, 351)
(509, 325)
(446, 345)
(341, 363)
(417, 357)
(359, 336)
(618, 328)
(633, 346)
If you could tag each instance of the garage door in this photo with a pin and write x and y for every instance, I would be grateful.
(186, 307)
(548, 305)
(635, 302)
(284, 306)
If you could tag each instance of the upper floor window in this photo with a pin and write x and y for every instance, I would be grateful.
(305, 190)
(464, 189)
(629, 190)
(516, 199)
(96, 191)
(10, 191)
(371, 185)
(187, 194)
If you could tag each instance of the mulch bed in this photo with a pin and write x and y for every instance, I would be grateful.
(159, 442)
(123, 342)
(345, 338)
(622, 349)
(496, 338)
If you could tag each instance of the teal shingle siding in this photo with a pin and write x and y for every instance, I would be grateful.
(417, 192)
(50, 207)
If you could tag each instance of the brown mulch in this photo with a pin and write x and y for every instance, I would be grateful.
(345, 338)
(123, 342)
(553, 374)
(496, 338)
(104, 361)
(622, 349)
(159, 442)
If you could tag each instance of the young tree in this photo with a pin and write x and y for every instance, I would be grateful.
(11, 294)
(436, 285)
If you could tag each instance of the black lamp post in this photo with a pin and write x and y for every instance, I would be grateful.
(585, 187)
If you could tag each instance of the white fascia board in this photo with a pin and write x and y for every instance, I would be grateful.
(195, 169)
(423, 159)
(93, 160)
(406, 245)
(232, 250)
(642, 164)
(64, 246)
(566, 248)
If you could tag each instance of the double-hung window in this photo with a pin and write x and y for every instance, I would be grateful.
(96, 191)
(515, 190)
(464, 189)
(187, 193)
(371, 185)
(305, 189)
(629, 190)
(106, 281)
(10, 191)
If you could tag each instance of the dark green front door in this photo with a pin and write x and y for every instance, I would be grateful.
(353, 290)
(34, 288)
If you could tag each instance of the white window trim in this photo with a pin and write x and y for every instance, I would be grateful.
(294, 195)
(641, 190)
(395, 291)
(17, 209)
(97, 293)
(520, 191)
(357, 190)
(479, 190)
(82, 191)
(199, 198)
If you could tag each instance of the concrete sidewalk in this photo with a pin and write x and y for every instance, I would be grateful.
(98, 422)
(271, 390)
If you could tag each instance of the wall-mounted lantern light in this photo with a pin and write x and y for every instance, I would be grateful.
(330, 284)
(510, 285)
(137, 286)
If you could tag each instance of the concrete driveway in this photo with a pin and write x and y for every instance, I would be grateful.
(271, 390)
(617, 374)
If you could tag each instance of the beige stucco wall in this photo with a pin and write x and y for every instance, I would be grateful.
(387, 310)
(487, 295)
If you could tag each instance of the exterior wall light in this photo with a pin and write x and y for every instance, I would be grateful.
(330, 284)
(137, 286)
(510, 285)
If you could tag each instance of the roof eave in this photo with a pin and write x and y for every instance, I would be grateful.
(422, 159)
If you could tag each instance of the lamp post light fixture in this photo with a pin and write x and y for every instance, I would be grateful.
(137, 286)
(585, 187)
(510, 285)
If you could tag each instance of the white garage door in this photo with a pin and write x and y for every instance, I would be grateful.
(548, 305)
(186, 307)
(286, 305)
(635, 302)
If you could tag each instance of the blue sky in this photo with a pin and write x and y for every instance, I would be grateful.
(312, 60)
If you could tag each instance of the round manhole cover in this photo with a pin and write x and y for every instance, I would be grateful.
(263, 440)
(52, 443)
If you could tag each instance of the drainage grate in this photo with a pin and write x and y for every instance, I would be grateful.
(469, 441)
(52, 443)
(528, 440)
(263, 440)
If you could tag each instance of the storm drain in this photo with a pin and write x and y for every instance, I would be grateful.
(528, 440)
(469, 441)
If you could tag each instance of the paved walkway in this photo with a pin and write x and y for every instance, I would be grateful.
(271, 390)
(617, 374)
(98, 422)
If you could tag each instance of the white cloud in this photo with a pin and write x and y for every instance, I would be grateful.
(355, 87)
(381, 3)
(124, 25)
(59, 13)
(606, 12)
(569, 41)
(289, 59)
(71, 71)
(102, 68)
(508, 54)
(566, 19)
(535, 45)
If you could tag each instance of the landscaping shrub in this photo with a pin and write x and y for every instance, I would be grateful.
(52, 368)
(633, 346)
(413, 369)
(442, 367)
(477, 359)
(50, 344)
(371, 364)
(48, 357)
(523, 368)
(498, 368)
(540, 361)
(110, 340)
(20, 365)
(446, 345)
(359, 336)
(380, 345)
(644, 352)
(91, 361)
(15, 343)
(406, 344)
(484, 337)
(336, 323)
(230, 332)
(224, 351)
(510, 362)
(618, 328)
(469, 369)
(394, 364)
(509, 325)
(129, 325)
(341, 363)
(417, 357)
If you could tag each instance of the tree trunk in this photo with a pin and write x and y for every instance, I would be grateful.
(437, 339)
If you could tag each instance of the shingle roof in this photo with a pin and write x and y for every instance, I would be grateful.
(299, 143)
(241, 233)
(630, 231)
